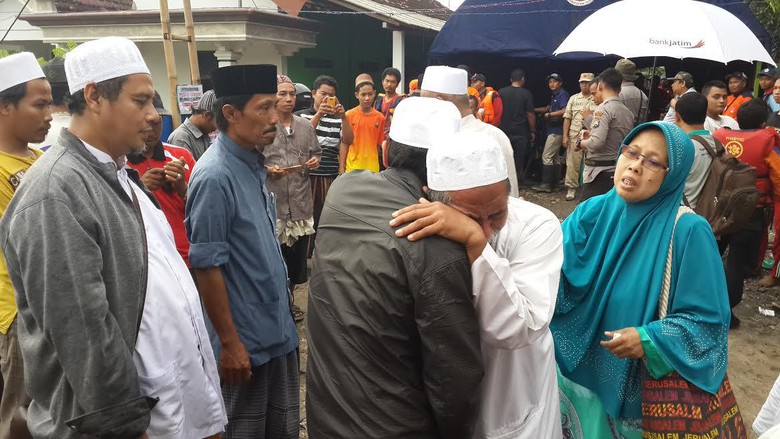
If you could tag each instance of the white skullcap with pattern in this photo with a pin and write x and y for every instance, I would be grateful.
(447, 80)
(19, 68)
(465, 160)
(102, 59)
(419, 122)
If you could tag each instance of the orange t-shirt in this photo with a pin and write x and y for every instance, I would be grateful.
(369, 130)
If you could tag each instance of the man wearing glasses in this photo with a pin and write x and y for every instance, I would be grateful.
(612, 121)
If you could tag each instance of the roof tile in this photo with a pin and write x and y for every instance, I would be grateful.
(93, 5)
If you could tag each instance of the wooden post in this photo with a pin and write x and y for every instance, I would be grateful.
(170, 61)
(191, 46)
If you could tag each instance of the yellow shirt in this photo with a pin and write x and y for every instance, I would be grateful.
(12, 169)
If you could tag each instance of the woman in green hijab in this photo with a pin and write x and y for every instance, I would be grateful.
(606, 325)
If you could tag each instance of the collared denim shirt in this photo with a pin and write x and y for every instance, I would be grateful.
(231, 224)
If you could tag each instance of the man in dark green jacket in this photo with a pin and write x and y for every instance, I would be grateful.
(393, 336)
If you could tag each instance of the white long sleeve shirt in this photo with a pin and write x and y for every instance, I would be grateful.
(173, 355)
(769, 416)
(515, 288)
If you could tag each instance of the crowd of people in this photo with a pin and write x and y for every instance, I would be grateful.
(146, 288)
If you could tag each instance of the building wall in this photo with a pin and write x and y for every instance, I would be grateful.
(22, 34)
(254, 53)
(349, 45)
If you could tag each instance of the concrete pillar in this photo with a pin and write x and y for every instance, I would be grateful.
(285, 52)
(227, 55)
(399, 57)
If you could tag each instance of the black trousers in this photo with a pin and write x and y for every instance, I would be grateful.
(295, 258)
(603, 183)
(744, 254)
(519, 150)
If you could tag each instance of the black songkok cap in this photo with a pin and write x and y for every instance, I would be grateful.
(244, 80)
(55, 71)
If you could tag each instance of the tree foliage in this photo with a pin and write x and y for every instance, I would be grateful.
(768, 13)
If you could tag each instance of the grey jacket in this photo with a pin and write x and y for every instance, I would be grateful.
(76, 253)
(393, 336)
(293, 191)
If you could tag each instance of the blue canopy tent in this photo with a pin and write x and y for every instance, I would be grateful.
(494, 36)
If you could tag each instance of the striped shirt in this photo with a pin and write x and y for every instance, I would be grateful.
(329, 137)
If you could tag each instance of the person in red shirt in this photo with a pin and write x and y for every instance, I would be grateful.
(165, 170)
(753, 144)
(387, 101)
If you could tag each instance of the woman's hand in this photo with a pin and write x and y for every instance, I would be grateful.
(624, 343)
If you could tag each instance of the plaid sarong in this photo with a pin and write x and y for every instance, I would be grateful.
(269, 405)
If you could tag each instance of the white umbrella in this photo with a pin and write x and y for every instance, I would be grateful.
(666, 28)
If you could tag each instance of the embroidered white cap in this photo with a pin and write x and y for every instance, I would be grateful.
(102, 59)
(19, 68)
(443, 79)
(465, 160)
(420, 121)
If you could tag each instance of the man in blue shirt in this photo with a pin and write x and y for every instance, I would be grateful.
(231, 220)
(553, 118)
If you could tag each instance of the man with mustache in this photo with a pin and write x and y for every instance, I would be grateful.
(111, 326)
(231, 225)
(25, 117)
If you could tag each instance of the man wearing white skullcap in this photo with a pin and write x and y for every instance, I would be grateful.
(515, 251)
(450, 84)
(112, 330)
(25, 97)
(393, 337)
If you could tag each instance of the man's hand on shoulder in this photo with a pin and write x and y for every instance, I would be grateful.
(426, 219)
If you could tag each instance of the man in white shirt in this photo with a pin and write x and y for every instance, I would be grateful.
(682, 83)
(113, 325)
(717, 93)
(450, 84)
(768, 418)
(515, 250)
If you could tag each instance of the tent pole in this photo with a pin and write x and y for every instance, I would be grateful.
(759, 67)
(650, 91)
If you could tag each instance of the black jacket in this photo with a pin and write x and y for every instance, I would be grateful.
(393, 336)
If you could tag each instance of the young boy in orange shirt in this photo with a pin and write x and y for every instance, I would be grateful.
(368, 125)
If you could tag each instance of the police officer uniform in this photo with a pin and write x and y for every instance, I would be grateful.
(577, 104)
(612, 121)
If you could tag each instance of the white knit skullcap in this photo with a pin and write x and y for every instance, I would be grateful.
(420, 121)
(443, 79)
(102, 59)
(19, 68)
(465, 160)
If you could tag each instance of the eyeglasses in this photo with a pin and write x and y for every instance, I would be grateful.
(649, 163)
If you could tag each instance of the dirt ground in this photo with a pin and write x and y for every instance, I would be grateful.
(754, 348)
